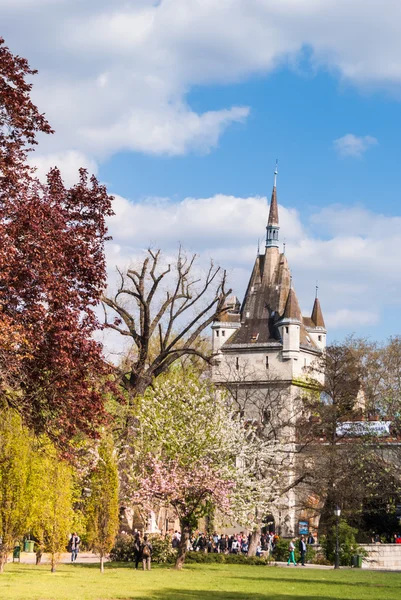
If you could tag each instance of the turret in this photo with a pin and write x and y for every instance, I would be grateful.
(228, 323)
(290, 326)
(318, 330)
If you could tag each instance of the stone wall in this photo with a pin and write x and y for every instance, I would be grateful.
(382, 556)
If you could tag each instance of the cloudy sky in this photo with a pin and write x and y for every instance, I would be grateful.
(182, 106)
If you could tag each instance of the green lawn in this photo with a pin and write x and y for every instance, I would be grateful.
(205, 582)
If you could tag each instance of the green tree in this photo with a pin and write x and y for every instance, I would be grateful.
(103, 506)
(52, 517)
(15, 454)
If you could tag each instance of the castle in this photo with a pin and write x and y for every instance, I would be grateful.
(263, 349)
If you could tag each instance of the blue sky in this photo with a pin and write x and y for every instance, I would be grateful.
(295, 118)
(182, 108)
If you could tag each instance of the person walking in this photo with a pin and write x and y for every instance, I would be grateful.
(291, 555)
(146, 551)
(302, 550)
(74, 545)
(137, 549)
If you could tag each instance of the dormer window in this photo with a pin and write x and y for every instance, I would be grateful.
(254, 337)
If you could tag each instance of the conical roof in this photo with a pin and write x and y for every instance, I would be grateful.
(273, 213)
(317, 315)
(292, 310)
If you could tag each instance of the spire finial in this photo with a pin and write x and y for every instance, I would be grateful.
(317, 288)
(258, 247)
(290, 282)
(284, 247)
(275, 173)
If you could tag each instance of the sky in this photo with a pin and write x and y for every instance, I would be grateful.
(181, 107)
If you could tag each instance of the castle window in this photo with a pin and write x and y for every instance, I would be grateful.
(237, 363)
(223, 333)
(319, 337)
(217, 333)
(267, 362)
(286, 329)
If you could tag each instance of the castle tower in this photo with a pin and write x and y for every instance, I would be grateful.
(268, 346)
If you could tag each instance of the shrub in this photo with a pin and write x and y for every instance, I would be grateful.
(347, 544)
(280, 552)
(163, 552)
(229, 559)
(123, 550)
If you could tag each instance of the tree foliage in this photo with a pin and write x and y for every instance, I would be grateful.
(352, 466)
(15, 455)
(52, 273)
(192, 451)
(103, 506)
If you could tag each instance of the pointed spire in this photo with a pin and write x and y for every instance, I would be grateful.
(317, 314)
(292, 310)
(273, 213)
(272, 222)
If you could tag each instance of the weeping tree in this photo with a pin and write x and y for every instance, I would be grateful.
(103, 506)
(162, 308)
(15, 458)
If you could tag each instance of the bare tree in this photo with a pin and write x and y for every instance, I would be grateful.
(163, 309)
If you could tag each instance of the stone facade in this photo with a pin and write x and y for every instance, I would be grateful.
(264, 349)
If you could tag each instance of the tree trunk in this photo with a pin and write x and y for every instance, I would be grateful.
(53, 563)
(3, 561)
(253, 544)
(101, 563)
(183, 546)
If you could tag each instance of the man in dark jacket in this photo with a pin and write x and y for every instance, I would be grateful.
(137, 549)
(202, 543)
(302, 549)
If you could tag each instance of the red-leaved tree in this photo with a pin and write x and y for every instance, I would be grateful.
(52, 273)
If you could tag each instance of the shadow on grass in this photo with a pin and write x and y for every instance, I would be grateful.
(325, 581)
(117, 565)
(177, 594)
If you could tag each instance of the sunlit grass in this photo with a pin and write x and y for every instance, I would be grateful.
(203, 582)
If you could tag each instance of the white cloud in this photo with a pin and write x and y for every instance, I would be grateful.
(69, 162)
(353, 145)
(353, 267)
(116, 76)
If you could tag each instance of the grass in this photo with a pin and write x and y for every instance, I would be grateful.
(201, 582)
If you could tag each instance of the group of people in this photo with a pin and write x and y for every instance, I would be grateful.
(142, 551)
(239, 543)
(302, 551)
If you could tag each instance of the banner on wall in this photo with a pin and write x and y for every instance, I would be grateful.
(303, 527)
